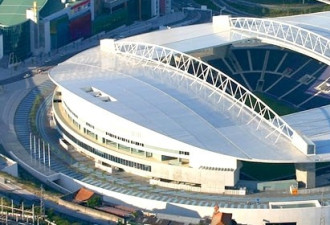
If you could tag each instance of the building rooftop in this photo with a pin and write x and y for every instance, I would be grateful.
(13, 12)
(188, 38)
(51, 7)
(315, 124)
(315, 22)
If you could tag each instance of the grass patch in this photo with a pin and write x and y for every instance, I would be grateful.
(280, 107)
(33, 113)
(61, 219)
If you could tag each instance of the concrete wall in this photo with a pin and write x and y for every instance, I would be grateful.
(89, 211)
(1, 46)
(47, 47)
(38, 174)
(305, 174)
(11, 168)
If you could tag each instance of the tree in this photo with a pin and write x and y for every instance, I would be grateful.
(94, 201)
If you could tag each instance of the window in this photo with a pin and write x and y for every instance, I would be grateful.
(103, 154)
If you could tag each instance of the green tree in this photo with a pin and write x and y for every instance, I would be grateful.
(94, 201)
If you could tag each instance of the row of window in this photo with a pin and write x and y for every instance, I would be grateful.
(70, 110)
(124, 139)
(90, 133)
(89, 125)
(183, 153)
(125, 148)
(105, 155)
(106, 141)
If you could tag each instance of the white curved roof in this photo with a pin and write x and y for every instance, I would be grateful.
(315, 22)
(315, 124)
(157, 100)
(189, 38)
(173, 109)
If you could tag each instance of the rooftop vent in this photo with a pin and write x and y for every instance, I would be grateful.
(99, 94)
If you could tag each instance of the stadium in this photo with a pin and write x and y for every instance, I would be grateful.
(222, 109)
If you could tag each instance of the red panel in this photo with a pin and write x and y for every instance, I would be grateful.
(162, 7)
(80, 27)
(80, 4)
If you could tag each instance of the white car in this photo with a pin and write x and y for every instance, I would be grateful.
(26, 75)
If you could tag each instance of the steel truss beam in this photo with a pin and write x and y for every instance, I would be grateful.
(268, 30)
(216, 81)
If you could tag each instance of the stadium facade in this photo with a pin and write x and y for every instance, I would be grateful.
(142, 106)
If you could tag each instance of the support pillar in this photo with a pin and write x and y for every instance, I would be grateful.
(305, 174)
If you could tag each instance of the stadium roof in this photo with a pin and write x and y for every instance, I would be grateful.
(315, 22)
(188, 38)
(152, 99)
(171, 111)
(315, 124)
(192, 38)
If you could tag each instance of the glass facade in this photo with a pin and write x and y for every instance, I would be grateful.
(16, 41)
(59, 32)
